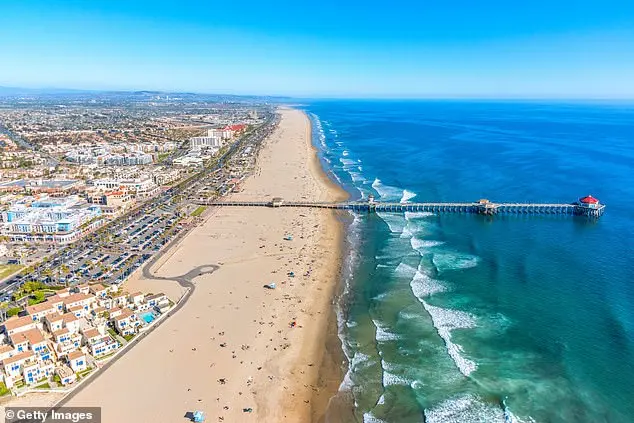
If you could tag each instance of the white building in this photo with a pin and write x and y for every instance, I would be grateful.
(142, 186)
(57, 220)
(214, 139)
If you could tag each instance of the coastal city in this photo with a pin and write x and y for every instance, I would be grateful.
(92, 187)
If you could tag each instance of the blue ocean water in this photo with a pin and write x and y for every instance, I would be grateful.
(467, 318)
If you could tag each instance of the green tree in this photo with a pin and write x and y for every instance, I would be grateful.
(13, 311)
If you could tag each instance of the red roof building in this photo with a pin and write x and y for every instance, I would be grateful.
(235, 128)
(589, 200)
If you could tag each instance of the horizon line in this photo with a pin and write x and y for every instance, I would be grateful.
(392, 97)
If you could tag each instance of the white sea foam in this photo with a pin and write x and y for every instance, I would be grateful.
(348, 162)
(360, 360)
(356, 176)
(417, 215)
(407, 195)
(345, 153)
(369, 418)
(383, 334)
(423, 286)
(390, 379)
(387, 192)
(409, 315)
(446, 320)
(452, 261)
(464, 409)
(381, 400)
(405, 270)
(395, 222)
(423, 245)
(409, 230)
(381, 296)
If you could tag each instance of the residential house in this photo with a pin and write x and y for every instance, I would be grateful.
(127, 322)
(34, 371)
(79, 299)
(99, 290)
(54, 322)
(77, 361)
(115, 312)
(61, 335)
(38, 311)
(57, 302)
(120, 299)
(7, 351)
(105, 302)
(71, 322)
(64, 293)
(83, 289)
(18, 324)
(157, 300)
(31, 339)
(66, 375)
(12, 366)
(78, 311)
(137, 298)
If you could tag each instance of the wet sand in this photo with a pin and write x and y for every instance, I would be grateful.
(235, 345)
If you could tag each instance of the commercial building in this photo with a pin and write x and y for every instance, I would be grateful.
(47, 219)
(35, 186)
(141, 187)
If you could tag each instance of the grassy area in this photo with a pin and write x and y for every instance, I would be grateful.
(13, 311)
(3, 389)
(7, 269)
(104, 357)
(161, 157)
(44, 385)
(57, 379)
(128, 337)
(84, 373)
(199, 210)
(112, 333)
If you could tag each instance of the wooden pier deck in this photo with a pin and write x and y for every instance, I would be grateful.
(481, 207)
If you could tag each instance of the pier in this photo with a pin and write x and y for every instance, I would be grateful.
(585, 206)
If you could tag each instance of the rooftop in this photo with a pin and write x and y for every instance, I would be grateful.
(33, 336)
(18, 322)
(76, 354)
(25, 355)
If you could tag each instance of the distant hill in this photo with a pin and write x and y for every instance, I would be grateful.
(45, 92)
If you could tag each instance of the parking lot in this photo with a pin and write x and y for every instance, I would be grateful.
(109, 257)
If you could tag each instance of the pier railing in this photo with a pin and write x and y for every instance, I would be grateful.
(486, 208)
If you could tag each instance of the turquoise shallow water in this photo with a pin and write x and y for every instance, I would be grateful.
(460, 318)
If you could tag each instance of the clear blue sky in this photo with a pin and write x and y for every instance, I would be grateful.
(416, 48)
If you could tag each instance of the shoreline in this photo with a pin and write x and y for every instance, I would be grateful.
(275, 370)
(330, 372)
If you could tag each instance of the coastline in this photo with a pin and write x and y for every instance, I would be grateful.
(278, 371)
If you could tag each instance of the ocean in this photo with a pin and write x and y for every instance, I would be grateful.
(469, 318)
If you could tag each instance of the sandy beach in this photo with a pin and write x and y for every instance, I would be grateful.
(236, 345)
